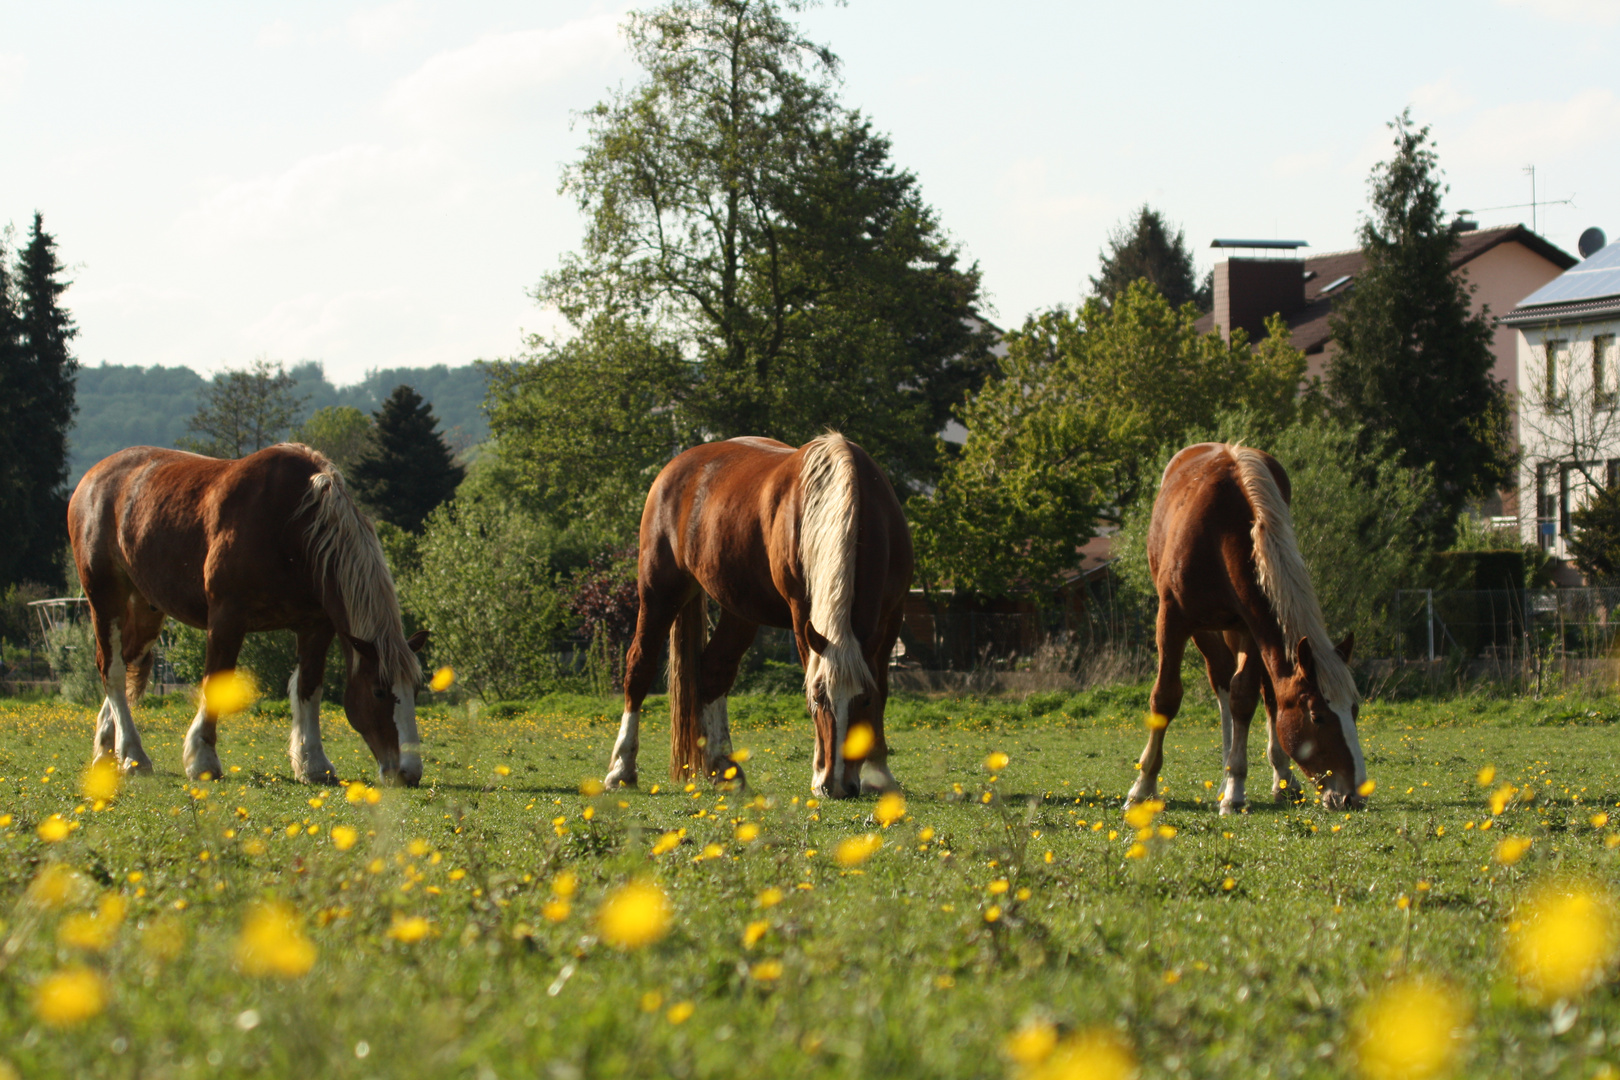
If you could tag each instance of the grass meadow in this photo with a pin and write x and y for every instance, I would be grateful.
(1009, 923)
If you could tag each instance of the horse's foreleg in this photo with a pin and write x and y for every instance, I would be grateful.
(717, 672)
(1164, 702)
(1284, 788)
(1245, 690)
(201, 758)
(310, 765)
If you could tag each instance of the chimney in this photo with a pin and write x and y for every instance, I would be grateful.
(1250, 290)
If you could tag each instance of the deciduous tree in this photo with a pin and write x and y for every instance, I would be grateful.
(342, 432)
(244, 411)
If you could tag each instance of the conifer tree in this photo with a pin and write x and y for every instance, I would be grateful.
(1145, 247)
(408, 470)
(1414, 362)
(38, 383)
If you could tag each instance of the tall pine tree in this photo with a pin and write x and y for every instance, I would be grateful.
(37, 375)
(1145, 247)
(1414, 362)
(408, 470)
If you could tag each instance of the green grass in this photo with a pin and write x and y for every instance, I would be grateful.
(887, 970)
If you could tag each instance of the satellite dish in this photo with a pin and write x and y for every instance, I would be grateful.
(1591, 242)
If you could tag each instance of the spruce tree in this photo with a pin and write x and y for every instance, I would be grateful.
(39, 385)
(12, 423)
(408, 470)
(1145, 247)
(1414, 362)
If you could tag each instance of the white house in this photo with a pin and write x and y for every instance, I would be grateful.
(1568, 335)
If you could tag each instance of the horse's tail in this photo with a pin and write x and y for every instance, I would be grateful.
(1282, 574)
(835, 669)
(687, 636)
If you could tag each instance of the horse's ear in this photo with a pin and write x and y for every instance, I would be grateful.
(1346, 647)
(1307, 658)
(418, 641)
(817, 642)
(362, 646)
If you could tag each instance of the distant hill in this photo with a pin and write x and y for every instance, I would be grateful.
(133, 406)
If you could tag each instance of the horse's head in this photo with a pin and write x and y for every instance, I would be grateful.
(385, 714)
(1320, 733)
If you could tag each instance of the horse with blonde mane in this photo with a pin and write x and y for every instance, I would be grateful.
(1229, 575)
(271, 541)
(811, 539)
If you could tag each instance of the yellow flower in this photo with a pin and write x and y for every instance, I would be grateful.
(1091, 1055)
(1563, 940)
(1031, 1044)
(228, 692)
(1599, 820)
(741, 756)
(1511, 849)
(93, 933)
(555, 910)
(1142, 814)
(652, 1001)
(58, 886)
(1410, 1031)
(754, 932)
(926, 835)
(998, 886)
(769, 897)
(1367, 788)
(1229, 884)
(590, 788)
(634, 915)
(503, 770)
(666, 843)
(409, 929)
(747, 832)
(766, 971)
(680, 1012)
(857, 849)
(54, 829)
(858, 743)
(891, 807)
(442, 679)
(992, 913)
(1485, 775)
(1500, 798)
(1167, 832)
(1136, 851)
(71, 996)
(163, 938)
(997, 761)
(565, 884)
(1157, 721)
(273, 943)
(418, 848)
(710, 851)
(343, 837)
(100, 781)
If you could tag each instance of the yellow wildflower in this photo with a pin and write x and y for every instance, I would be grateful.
(69, 997)
(344, 837)
(754, 932)
(859, 742)
(228, 692)
(891, 807)
(442, 680)
(407, 930)
(1563, 940)
(997, 761)
(1410, 1031)
(273, 943)
(857, 849)
(634, 915)
(1511, 849)
(101, 781)
(766, 971)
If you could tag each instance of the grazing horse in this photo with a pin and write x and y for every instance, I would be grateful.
(268, 542)
(1229, 575)
(813, 539)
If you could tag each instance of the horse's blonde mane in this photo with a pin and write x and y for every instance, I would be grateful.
(827, 532)
(1284, 578)
(343, 548)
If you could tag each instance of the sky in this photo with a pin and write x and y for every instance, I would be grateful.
(375, 185)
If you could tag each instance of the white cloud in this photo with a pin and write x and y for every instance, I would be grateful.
(344, 189)
(275, 34)
(1443, 97)
(379, 29)
(1537, 131)
(497, 76)
(1600, 12)
(13, 70)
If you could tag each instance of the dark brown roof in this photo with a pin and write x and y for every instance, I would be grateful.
(1310, 323)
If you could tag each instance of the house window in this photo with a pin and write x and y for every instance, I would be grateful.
(1557, 374)
(1605, 371)
(1547, 473)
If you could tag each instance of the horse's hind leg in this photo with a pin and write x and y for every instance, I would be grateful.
(875, 774)
(125, 630)
(716, 673)
(201, 758)
(1164, 701)
(310, 764)
(660, 602)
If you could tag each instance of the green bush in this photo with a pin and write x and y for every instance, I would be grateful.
(71, 651)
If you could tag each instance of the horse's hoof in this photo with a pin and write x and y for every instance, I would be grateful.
(1228, 809)
(136, 767)
(615, 781)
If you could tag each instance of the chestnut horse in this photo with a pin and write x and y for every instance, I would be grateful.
(813, 539)
(1229, 575)
(268, 542)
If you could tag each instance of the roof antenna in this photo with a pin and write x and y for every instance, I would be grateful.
(1531, 169)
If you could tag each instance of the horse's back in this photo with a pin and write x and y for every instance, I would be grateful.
(1201, 511)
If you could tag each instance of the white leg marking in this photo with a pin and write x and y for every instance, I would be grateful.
(198, 756)
(716, 726)
(131, 756)
(1284, 788)
(1233, 794)
(1352, 738)
(410, 743)
(310, 764)
(622, 765)
(106, 743)
(876, 779)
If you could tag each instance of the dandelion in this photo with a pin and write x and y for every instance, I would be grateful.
(1097, 1054)
(1485, 775)
(227, 692)
(442, 680)
(766, 971)
(1410, 1031)
(1137, 850)
(992, 913)
(100, 781)
(1366, 788)
(1599, 820)
(652, 1001)
(590, 788)
(891, 807)
(710, 851)
(997, 761)
(1157, 721)
(769, 898)
(408, 930)
(555, 910)
(273, 943)
(1511, 849)
(998, 886)
(926, 835)
(742, 755)
(747, 832)
(666, 843)
(859, 742)
(58, 886)
(1501, 797)
(1141, 815)
(857, 849)
(565, 884)
(344, 837)
(1229, 884)
(1167, 832)
(1563, 940)
(680, 1012)
(1032, 1043)
(93, 933)
(54, 829)
(418, 848)
(753, 932)
(634, 915)
(69, 997)
(503, 770)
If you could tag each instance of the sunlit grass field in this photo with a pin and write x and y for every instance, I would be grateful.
(1010, 923)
